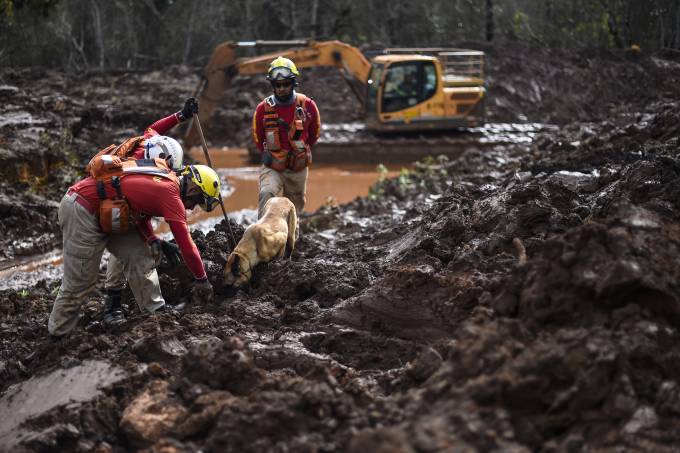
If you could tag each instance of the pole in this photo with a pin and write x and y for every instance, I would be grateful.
(207, 158)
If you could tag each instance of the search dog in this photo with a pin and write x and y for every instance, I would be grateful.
(273, 236)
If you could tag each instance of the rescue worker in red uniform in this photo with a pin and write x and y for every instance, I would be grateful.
(138, 250)
(285, 126)
(153, 145)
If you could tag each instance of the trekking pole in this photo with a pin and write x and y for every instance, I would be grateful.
(207, 158)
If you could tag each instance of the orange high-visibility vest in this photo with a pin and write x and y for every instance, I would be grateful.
(300, 156)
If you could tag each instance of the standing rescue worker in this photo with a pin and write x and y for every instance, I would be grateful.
(285, 126)
(153, 144)
(150, 191)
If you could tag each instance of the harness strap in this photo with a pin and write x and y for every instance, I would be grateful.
(272, 120)
(185, 180)
(115, 182)
(100, 190)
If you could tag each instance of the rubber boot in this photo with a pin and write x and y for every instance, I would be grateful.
(172, 310)
(113, 313)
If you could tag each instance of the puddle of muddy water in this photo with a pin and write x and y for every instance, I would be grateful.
(341, 182)
(338, 183)
(33, 397)
(28, 270)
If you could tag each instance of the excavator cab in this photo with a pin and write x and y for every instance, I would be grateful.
(411, 92)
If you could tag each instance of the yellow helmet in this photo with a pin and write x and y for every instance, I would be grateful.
(208, 181)
(281, 69)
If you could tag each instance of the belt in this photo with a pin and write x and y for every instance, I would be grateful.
(82, 201)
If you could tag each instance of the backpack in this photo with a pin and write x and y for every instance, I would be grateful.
(123, 151)
(115, 214)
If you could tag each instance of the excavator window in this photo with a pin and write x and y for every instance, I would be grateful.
(430, 86)
(373, 86)
(408, 84)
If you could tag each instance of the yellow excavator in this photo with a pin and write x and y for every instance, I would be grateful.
(405, 89)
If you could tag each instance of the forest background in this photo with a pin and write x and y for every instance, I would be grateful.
(99, 35)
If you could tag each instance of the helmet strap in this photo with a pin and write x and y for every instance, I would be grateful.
(184, 183)
(287, 101)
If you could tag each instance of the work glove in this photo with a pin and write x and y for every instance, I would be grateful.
(201, 291)
(172, 253)
(156, 251)
(190, 107)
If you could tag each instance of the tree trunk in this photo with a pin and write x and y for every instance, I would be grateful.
(657, 8)
(251, 23)
(190, 34)
(628, 35)
(149, 4)
(99, 37)
(314, 18)
(126, 9)
(612, 25)
(677, 26)
(489, 20)
(293, 19)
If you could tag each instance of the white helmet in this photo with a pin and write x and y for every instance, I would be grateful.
(164, 147)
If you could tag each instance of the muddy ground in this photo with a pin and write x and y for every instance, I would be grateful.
(518, 298)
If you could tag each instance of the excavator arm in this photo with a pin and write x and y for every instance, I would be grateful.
(223, 66)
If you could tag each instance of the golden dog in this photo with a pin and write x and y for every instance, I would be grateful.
(270, 237)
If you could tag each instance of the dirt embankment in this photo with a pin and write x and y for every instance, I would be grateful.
(521, 298)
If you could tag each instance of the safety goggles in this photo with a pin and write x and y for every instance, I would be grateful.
(286, 84)
(209, 203)
(280, 73)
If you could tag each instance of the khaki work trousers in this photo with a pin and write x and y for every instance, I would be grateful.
(115, 278)
(292, 185)
(84, 244)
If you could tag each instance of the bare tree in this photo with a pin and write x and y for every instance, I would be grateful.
(190, 34)
(63, 28)
(612, 24)
(99, 36)
(314, 12)
(126, 9)
(489, 20)
(677, 25)
(293, 19)
(250, 28)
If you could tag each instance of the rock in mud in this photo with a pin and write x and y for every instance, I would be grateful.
(226, 365)
(159, 349)
(381, 440)
(151, 415)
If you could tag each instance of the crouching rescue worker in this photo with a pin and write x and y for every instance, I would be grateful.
(285, 126)
(152, 144)
(112, 209)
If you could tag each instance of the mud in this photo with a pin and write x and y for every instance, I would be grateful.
(521, 296)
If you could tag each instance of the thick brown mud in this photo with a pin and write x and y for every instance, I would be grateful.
(519, 297)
